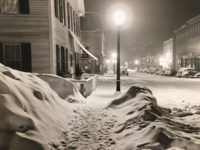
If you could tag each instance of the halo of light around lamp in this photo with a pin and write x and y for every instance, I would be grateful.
(119, 17)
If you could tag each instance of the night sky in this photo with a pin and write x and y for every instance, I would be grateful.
(154, 21)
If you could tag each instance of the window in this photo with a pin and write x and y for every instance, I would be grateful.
(14, 7)
(58, 60)
(71, 60)
(68, 16)
(12, 56)
(71, 17)
(61, 60)
(74, 21)
(9, 7)
(64, 12)
(60, 12)
(16, 56)
(76, 24)
(56, 8)
(66, 59)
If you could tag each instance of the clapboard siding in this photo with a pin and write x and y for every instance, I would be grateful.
(33, 28)
(60, 35)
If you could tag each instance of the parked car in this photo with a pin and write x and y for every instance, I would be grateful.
(153, 70)
(123, 71)
(186, 72)
(170, 72)
(197, 75)
(145, 70)
(160, 72)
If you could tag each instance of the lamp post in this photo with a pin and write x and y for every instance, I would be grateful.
(119, 19)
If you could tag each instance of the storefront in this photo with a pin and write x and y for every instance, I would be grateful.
(191, 62)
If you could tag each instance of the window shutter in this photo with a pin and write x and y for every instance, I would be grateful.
(1, 53)
(61, 10)
(67, 60)
(56, 8)
(58, 66)
(64, 11)
(68, 16)
(26, 57)
(24, 7)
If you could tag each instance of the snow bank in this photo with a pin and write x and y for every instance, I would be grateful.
(144, 125)
(63, 87)
(32, 113)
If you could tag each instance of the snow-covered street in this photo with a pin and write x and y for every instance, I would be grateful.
(169, 91)
(174, 93)
(48, 113)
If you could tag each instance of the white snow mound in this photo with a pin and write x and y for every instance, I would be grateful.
(33, 115)
(144, 125)
(63, 87)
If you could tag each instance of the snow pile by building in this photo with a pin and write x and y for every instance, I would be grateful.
(144, 125)
(63, 87)
(33, 114)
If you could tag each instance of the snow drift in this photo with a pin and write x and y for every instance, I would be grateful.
(144, 125)
(33, 114)
(63, 87)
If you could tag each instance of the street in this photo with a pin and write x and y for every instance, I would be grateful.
(169, 91)
(179, 94)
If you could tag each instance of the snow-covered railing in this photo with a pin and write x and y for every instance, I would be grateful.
(86, 86)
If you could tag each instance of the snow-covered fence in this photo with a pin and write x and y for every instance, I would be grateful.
(86, 86)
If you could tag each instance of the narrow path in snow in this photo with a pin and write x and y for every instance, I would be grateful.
(91, 129)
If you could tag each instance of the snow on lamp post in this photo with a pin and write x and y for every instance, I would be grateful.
(119, 18)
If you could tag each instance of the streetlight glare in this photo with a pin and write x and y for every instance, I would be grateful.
(108, 61)
(113, 61)
(114, 55)
(119, 17)
(137, 62)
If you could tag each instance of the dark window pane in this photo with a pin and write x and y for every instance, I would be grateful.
(62, 59)
(7, 50)
(67, 59)
(68, 16)
(56, 8)
(64, 12)
(61, 10)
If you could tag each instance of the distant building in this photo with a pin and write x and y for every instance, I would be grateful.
(92, 35)
(149, 62)
(168, 58)
(188, 44)
(42, 35)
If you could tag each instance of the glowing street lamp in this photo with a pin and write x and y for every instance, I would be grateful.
(107, 61)
(114, 55)
(119, 18)
(137, 62)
